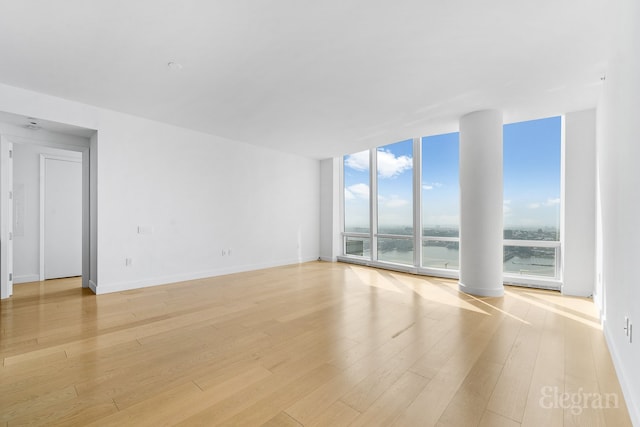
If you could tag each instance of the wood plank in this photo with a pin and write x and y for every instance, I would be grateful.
(282, 420)
(337, 414)
(261, 401)
(392, 402)
(491, 419)
(367, 391)
(614, 409)
(19, 410)
(434, 399)
(175, 405)
(314, 344)
(548, 376)
(510, 395)
(470, 401)
(311, 407)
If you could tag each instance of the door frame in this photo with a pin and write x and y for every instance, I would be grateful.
(43, 159)
(6, 217)
(89, 206)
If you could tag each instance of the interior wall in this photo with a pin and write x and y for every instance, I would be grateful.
(26, 188)
(619, 200)
(90, 258)
(330, 240)
(579, 190)
(171, 200)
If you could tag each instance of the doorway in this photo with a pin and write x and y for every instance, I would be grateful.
(60, 149)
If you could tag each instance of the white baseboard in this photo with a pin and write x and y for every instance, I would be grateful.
(483, 292)
(93, 287)
(157, 281)
(623, 378)
(328, 259)
(26, 278)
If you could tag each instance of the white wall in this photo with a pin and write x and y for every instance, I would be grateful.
(330, 240)
(579, 189)
(199, 194)
(90, 254)
(26, 185)
(618, 154)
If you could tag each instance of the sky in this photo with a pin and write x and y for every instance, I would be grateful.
(531, 180)
(531, 156)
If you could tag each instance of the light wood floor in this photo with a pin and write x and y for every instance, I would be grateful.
(317, 344)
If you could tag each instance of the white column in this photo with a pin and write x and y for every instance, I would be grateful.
(481, 230)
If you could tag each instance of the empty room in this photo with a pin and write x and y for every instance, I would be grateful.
(338, 213)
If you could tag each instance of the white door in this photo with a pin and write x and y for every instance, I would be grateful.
(6, 218)
(62, 230)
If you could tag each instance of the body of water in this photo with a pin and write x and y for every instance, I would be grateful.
(447, 258)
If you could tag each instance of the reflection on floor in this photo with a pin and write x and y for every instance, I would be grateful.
(317, 344)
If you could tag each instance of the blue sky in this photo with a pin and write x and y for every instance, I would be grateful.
(531, 180)
(395, 187)
(532, 173)
(440, 181)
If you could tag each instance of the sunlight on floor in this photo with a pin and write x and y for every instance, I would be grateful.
(561, 311)
(574, 308)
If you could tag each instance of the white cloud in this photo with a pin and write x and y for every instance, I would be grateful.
(393, 201)
(549, 202)
(358, 161)
(390, 166)
(348, 195)
(359, 190)
(431, 186)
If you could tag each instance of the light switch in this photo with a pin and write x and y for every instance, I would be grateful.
(145, 229)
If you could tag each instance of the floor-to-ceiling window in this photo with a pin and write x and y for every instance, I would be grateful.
(394, 165)
(357, 219)
(532, 156)
(440, 201)
(395, 205)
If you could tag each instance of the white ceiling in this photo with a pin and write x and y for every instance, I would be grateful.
(317, 78)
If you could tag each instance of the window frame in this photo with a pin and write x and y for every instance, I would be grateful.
(553, 283)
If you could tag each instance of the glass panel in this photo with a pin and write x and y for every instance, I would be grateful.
(356, 192)
(358, 246)
(395, 188)
(440, 186)
(395, 250)
(530, 261)
(441, 254)
(532, 179)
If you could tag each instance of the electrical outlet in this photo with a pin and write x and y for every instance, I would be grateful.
(229, 252)
(128, 262)
(224, 252)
